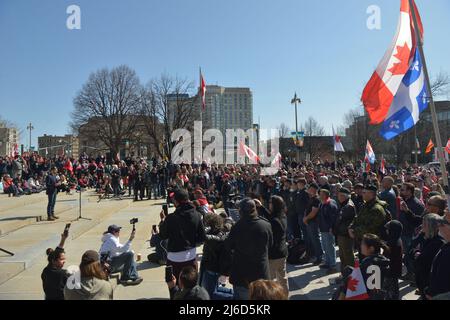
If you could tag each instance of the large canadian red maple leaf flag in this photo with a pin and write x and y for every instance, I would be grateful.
(356, 288)
(385, 82)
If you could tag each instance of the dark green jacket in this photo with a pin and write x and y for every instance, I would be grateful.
(370, 219)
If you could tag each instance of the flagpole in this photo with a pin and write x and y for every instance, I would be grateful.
(432, 106)
(334, 148)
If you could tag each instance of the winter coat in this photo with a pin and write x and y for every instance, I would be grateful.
(347, 213)
(370, 219)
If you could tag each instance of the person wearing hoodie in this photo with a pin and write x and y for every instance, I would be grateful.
(184, 231)
(215, 261)
(120, 256)
(371, 246)
(394, 253)
(249, 242)
(93, 281)
(187, 288)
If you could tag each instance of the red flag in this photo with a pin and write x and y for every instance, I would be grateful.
(249, 153)
(383, 166)
(202, 91)
(447, 147)
(429, 147)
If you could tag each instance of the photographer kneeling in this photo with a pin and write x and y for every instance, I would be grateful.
(119, 256)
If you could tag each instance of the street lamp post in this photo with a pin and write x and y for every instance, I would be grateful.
(296, 101)
(30, 127)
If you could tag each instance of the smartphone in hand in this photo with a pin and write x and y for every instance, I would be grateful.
(169, 273)
(165, 209)
(66, 229)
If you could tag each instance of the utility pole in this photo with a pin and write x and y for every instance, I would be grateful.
(30, 127)
(296, 101)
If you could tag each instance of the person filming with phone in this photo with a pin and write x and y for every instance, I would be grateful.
(119, 256)
(184, 231)
(54, 277)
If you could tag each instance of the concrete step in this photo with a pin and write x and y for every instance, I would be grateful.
(8, 203)
(30, 242)
(16, 218)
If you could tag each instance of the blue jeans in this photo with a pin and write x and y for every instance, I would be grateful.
(209, 281)
(240, 293)
(126, 265)
(328, 248)
(51, 203)
(314, 239)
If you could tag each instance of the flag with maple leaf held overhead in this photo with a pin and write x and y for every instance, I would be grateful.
(379, 92)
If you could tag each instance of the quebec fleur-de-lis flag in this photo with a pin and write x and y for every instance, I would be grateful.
(396, 94)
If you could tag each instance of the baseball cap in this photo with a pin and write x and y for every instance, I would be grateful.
(113, 228)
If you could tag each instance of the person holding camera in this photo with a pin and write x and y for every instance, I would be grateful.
(54, 277)
(119, 256)
(187, 288)
(94, 284)
(184, 231)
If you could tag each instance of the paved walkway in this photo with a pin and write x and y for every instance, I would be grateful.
(30, 241)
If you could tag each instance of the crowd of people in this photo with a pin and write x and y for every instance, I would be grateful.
(397, 220)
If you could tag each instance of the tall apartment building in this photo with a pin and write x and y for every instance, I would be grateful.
(9, 137)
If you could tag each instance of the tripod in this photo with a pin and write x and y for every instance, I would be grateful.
(79, 206)
(6, 251)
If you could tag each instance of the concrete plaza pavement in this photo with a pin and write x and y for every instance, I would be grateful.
(20, 275)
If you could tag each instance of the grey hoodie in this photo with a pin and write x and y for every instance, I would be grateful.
(91, 289)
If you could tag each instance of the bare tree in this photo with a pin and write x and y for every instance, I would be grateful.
(107, 106)
(284, 131)
(313, 128)
(440, 84)
(168, 106)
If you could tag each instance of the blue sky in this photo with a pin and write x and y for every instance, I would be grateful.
(321, 49)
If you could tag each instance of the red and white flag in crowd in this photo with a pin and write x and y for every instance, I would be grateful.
(202, 90)
(356, 288)
(447, 147)
(383, 166)
(338, 147)
(379, 92)
(68, 166)
(370, 155)
(15, 150)
(249, 153)
(276, 163)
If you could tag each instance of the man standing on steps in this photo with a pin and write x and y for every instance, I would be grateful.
(52, 184)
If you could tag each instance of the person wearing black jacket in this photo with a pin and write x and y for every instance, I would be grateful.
(289, 194)
(440, 275)
(184, 231)
(347, 213)
(249, 242)
(51, 184)
(279, 251)
(301, 201)
(394, 253)
(215, 260)
(54, 277)
(428, 249)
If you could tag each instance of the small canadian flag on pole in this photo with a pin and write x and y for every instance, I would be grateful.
(356, 288)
